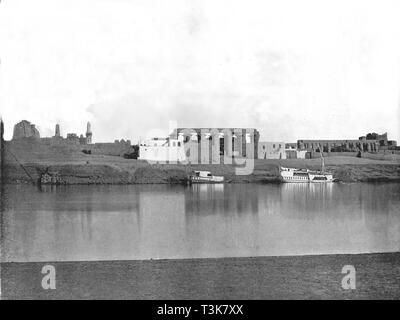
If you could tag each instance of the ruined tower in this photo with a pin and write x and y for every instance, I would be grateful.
(57, 133)
(88, 133)
(25, 129)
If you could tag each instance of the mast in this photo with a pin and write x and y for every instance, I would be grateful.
(322, 162)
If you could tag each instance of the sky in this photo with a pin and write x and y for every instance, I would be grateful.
(292, 69)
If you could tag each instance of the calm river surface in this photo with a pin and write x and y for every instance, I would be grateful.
(74, 223)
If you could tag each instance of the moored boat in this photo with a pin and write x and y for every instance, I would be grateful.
(205, 177)
(305, 175)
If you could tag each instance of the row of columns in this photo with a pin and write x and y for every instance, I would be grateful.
(207, 148)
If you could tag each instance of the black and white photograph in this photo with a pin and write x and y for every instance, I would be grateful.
(185, 151)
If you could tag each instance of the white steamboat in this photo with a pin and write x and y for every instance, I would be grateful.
(205, 177)
(306, 175)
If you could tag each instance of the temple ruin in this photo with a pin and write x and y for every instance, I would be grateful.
(218, 145)
(369, 143)
(25, 129)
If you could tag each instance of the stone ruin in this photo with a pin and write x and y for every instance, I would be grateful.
(25, 129)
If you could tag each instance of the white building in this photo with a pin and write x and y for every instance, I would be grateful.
(294, 153)
(162, 150)
(271, 150)
(301, 154)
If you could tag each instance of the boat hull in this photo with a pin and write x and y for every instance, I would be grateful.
(291, 175)
(305, 181)
(206, 180)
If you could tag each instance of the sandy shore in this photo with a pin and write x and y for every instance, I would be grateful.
(295, 277)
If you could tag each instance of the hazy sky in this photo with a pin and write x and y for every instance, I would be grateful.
(292, 69)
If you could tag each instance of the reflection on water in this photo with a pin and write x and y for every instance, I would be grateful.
(162, 221)
(215, 199)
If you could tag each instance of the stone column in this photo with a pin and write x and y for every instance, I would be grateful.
(256, 140)
(199, 147)
(215, 146)
(204, 147)
(235, 146)
(250, 147)
(239, 142)
(244, 143)
(228, 136)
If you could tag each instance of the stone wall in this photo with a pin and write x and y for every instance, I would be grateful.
(364, 144)
(338, 145)
(55, 148)
(317, 155)
(271, 150)
(111, 149)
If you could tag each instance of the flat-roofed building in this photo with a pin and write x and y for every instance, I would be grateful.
(162, 150)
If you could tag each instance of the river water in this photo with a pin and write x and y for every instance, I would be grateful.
(79, 223)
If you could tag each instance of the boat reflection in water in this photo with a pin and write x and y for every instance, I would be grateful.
(214, 199)
(308, 189)
(306, 199)
(199, 221)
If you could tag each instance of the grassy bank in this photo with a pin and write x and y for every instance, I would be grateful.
(115, 171)
(26, 162)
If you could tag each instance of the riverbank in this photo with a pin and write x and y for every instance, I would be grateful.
(26, 162)
(116, 170)
(291, 277)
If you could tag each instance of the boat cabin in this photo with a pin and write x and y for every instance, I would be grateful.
(202, 174)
